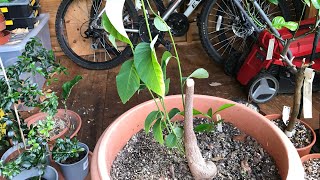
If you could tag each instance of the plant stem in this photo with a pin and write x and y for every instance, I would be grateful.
(175, 51)
(146, 19)
(297, 98)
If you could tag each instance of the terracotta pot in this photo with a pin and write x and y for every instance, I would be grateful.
(71, 116)
(301, 151)
(4, 37)
(310, 156)
(252, 123)
(2, 22)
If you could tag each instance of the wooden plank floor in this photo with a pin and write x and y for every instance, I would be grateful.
(96, 100)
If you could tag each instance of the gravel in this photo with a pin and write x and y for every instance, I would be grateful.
(312, 169)
(301, 138)
(236, 155)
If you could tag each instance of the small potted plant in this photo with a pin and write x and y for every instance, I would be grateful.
(64, 116)
(299, 132)
(72, 157)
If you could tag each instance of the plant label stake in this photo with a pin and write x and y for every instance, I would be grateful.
(219, 125)
(307, 92)
(285, 114)
(270, 49)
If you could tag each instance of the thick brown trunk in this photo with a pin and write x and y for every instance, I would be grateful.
(199, 168)
(297, 99)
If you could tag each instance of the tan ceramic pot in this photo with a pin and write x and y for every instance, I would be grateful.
(301, 151)
(250, 122)
(72, 116)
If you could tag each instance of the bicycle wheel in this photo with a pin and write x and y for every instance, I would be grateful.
(222, 32)
(84, 41)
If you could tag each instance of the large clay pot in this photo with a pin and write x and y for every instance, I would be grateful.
(301, 151)
(252, 123)
(71, 116)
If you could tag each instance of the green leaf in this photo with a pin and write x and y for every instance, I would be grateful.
(178, 131)
(203, 128)
(149, 69)
(199, 74)
(160, 25)
(223, 107)
(67, 87)
(316, 3)
(167, 84)
(149, 120)
(171, 140)
(128, 81)
(164, 62)
(107, 25)
(157, 131)
(275, 2)
(209, 113)
(307, 2)
(173, 112)
(112, 39)
(279, 22)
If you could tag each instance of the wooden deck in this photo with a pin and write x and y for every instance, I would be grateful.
(95, 98)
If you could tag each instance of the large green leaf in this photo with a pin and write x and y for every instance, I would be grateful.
(275, 2)
(157, 131)
(199, 74)
(171, 140)
(67, 86)
(160, 25)
(113, 31)
(149, 69)
(149, 120)
(223, 107)
(173, 112)
(316, 3)
(128, 81)
(279, 22)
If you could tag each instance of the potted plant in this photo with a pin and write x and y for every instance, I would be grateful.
(299, 132)
(18, 88)
(159, 114)
(72, 157)
(64, 116)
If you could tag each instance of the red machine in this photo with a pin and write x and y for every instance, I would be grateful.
(265, 78)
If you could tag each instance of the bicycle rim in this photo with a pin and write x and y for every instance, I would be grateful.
(84, 41)
(222, 32)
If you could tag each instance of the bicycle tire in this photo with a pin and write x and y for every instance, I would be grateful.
(205, 39)
(85, 63)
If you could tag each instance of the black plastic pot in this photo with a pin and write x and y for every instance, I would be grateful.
(78, 170)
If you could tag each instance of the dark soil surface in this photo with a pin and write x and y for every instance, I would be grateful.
(301, 138)
(312, 169)
(36, 178)
(77, 159)
(237, 156)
